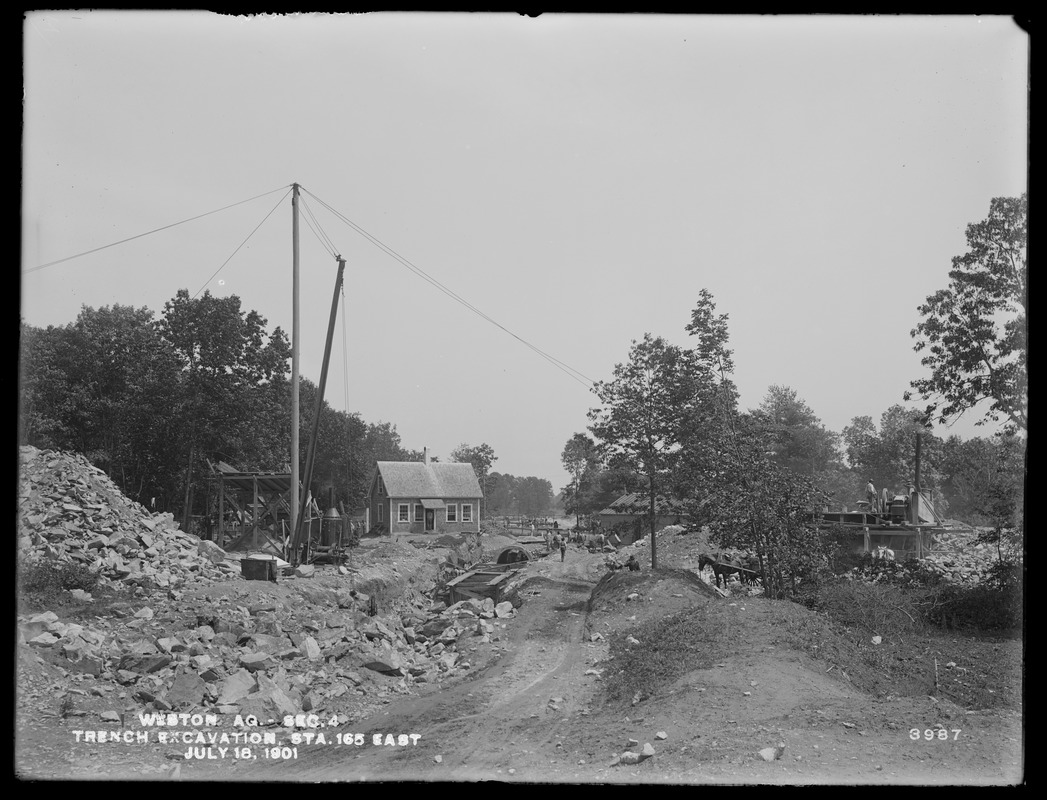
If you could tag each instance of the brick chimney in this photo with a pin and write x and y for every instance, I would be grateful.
(425, 455)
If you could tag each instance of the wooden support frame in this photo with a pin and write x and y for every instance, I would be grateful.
(257, 498)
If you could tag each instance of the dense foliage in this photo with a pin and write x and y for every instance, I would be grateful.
(581, 459)
(154, 401)
(511, 495)
(662, 397)
(974, 332)
(758, 479)
(753, 503)
(482, 457)
(874, 592)
(639, 421)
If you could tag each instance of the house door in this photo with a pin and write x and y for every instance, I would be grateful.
(430, 520)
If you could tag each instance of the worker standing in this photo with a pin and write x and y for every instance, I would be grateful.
(870, 495)
(563, 549)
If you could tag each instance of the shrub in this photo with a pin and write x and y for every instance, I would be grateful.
(888, 609)
(992, 604)
(48, 579)
(982, 607)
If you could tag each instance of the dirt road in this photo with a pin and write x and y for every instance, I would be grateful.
(536, 716)
(501, 722)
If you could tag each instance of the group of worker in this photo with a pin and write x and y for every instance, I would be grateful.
(555, 540)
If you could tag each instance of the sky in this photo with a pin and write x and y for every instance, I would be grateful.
(518, 199)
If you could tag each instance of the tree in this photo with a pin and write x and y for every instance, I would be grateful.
(984, 480)
(481, 457)
(610, 483)
(1005, 503)
(228, 365)
(643, 407)
(581, 458)
(500, 495)
(800, 442)
(973, 332)
(47, 394)
(709, 421)
(339, 441)
(101, 386)
(714, 362)
(887, 457)
(839, 485)
(533, 496)
(743, 474)
(755, 504)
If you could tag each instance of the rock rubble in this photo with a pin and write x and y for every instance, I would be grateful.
(313, 648)
(70, 511)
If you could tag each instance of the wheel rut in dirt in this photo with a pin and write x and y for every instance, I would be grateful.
(476, 726)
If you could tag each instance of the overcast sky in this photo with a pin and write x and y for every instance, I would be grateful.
(576, 179)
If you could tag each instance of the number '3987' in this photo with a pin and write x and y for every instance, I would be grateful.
(932, 734)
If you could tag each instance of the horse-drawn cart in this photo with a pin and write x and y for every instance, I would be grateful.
(725, 566)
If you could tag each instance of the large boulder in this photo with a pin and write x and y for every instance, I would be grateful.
(211, 551)
(236, 687)
(186, 692)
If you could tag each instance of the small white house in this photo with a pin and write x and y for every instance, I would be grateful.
(424, 497)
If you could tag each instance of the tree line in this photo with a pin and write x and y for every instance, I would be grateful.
(668, 423)
(153, 400)
(505, 494)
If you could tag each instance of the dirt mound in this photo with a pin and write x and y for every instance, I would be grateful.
(625, 600)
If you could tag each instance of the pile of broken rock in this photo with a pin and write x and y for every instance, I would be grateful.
(248, 661)
(70, 511)
(192, 635)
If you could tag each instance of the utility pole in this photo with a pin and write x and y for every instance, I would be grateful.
(916, 484)
(295, 497)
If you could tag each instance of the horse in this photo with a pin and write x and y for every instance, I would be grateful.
(721, 569)
(883, 553)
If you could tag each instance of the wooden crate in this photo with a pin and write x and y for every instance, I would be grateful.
(479, 584)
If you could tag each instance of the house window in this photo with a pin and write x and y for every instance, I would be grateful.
(381, 513)
(452, 512)
(381, 487)
(467, 512)
(419, 512)
(403, 512)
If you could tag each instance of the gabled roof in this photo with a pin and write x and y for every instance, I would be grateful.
(434, 480)
(640, 504)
